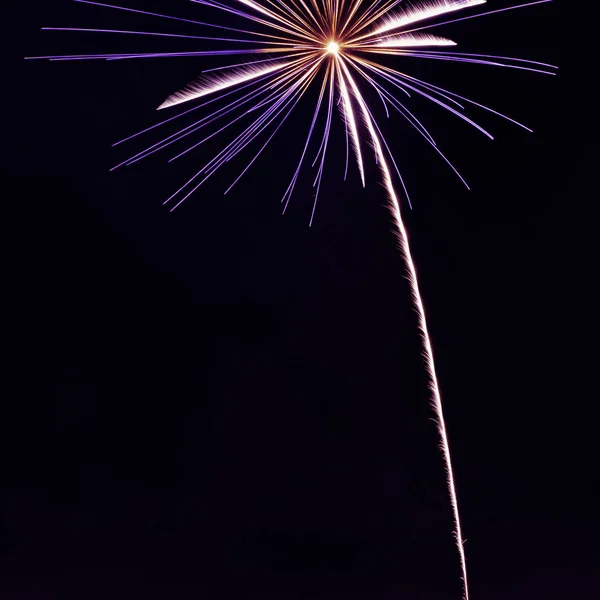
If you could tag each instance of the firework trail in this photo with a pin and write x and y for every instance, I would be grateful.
(336, 42)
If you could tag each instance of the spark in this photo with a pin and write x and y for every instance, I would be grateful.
(217, 83)
(413, 41)
(337, 43)
(422, 12)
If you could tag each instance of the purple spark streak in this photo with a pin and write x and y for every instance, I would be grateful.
(298, 97)
(319, 178)
(422, 93)
(199, 124)
(290, 189)
(170, 35)
(245, 64)
(531, 62)
(473, 62)
(158, 54)
(152, 14)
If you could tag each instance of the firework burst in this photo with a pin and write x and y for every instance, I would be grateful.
(337, 44)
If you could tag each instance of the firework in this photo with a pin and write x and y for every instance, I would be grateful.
(337, 44)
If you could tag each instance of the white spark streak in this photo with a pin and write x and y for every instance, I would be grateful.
(413, 40)
(217, 83)
(422, 11)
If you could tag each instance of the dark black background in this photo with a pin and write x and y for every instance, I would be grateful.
(223, 402)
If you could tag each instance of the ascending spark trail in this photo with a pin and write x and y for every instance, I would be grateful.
(436, 398)
(336, 43)
(411, 270)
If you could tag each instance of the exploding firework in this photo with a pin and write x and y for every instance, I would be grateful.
(337, 44)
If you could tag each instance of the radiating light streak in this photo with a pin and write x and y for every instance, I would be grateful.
(483, 14)
(115, 56)
(170, 18)
(381, 70)
(338, 43)
(319, 177)
(217, 83)
(280, 44)
(290, 189)
(413, 41)
(246, 64)
(510, 58)
(474, 62)
(422, 12)
(208, 119)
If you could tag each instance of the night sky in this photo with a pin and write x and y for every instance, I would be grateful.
(222, 402)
